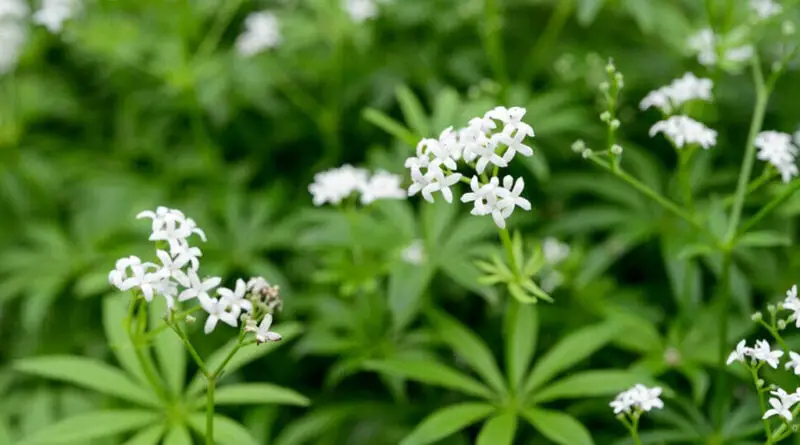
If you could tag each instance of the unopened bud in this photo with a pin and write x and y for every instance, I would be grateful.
(586, 154)
(771, 308)
(781, 325)
(757, 316)
(610, 68)
(578, 146)
(620, 79)
(788, 28)
(604, 87)
(616, 150)
(605, 116)
(760, 383)
(189, 319)
(614, 124)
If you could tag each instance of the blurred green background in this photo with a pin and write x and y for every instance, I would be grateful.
(140, 103)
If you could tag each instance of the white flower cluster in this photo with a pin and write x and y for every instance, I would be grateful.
(262, 32)
(176, 277)
(12, 33)
(360, 10)
(777, 149)
(765, 9)
(335, 185)
(637, 400)
(54, 13)
(683, 130)
(671, 97)
(761, 352)
(493, 139)
(705, 43)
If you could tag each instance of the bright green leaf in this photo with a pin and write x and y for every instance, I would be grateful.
(256, 394)
(470, 348)
(88, 373)
(178, 435)
(413, 111)
(432, 373)
(764, 238)
(447, 421)
(115, 310)
(86, 427)
(590, 384)
(521, 327)
(558, 427)
(588, 10)
(499, 430)
(407, 283)
(169, 348)
(391, 126)
(226, 430)
(149, 436)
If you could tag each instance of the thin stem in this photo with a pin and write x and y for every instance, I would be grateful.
(147, 366)
(192, 351)
(212, 383)
(178, 316)
(509, 248)
(212, 38)
(724, 302)
(684, 177)
(772, 205)
(763, 404)
(767, 175)
(239, 344)
(762, 98)
(635, 431)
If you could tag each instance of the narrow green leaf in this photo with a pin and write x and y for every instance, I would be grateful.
(558, 427)
(115, 310)
(764, 238)
(431, 373)
(226, 430)
(244, 356)
(521, 330)
(499, 430)
(148, 436)
(694, 250)
(588, 10)
(643, 13)
(5, 434)
(391, 126)
(86, 427)
(471, 349)
(169, 349)
(447, 421)
(590, 384)
(407, 284)
(178, 435)
(256, 394)
(317, 423)
(412, 111)
(568, 352)
(88, 373)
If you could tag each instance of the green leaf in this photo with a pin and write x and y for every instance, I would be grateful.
(432, 373)
(764, 238)
(558, 427)
(568, 352)
(256, 394)
(115, 310)
(178, 435)
(499, 430)
(407, 283)
(244, 356)
(470, 348)
(590, 384)
(521, 330)
(391, 126)
(86, 427)
(588, 10)
(643, 13)
(537, 164)
(694, 250)
(447, 421)
(88, 373)
(226, 430)
(168, 348)
(149, 436)
(412, 111)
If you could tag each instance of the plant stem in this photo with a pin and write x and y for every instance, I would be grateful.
(763, 404)
(764, 178)
(772, 205)
(212, 383)
(188, 344)
(684, 177)
(178, 316)
(134, 332)
(762, 98)
(239, 344)
(509, 248)
(724, 302)
(635, 431)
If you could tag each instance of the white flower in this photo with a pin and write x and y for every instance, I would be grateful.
(54, 13)
(639, 398)
(486, 198)
(138, 278)
(763, 352)
(257, 284)
(262, 32)
(361, 10)
(765, 9)
(183, 253)
(683, 130)
(512, 198)
(414, 253)
(195, 288)
(171, 225)
(514, 131)
(479, 145)
(336, 184)
(173, 267)
(217, 310)
(649, 398)
(739, 354)
(673, 96)
(263, 334)
(794, 362)
(554, 251)
(433, 180)
(705, 43)
(792, 303)
(382, 185)
(781, 404)
(777, 149)
(235, 299)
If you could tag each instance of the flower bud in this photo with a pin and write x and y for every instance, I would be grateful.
(189, 319)
(788, 28)
(616, 150)
(771, 308)
(760, 383)
(605, 116)
(620, 79)
(614, 124)
(586, 154)
(578, 146)
(610, 68)
(604, 87)
(781, 325)
(757, 316)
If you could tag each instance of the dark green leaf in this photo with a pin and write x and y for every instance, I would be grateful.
(226, 430)
(178, 435)
(86, 427)
(764, 238)
(558, 427)
(432, 373)
(590, 384)
(447, 421)
(413, 111)
(256, 394)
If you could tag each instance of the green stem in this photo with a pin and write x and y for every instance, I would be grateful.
(134, 332)
(772, 205)
(724, 302)
(509, 248)
(767, 175)
(762, 98)
(635, 431)
(763, 404)
(239, 344)
(212, 383)
(684, 177)
(190, 348)
(177, 316)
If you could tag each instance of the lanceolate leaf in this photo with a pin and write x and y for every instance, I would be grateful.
(447, 421)
(88, 373)
(114, 313)
(558, 427)
(178, 435)
(226, 430)
(590, 384)
(499, 430)
(521, 329)
(256, 394)
(470, 348)
(432, 373)
(169, 348)
(148, 436)
(85, 427)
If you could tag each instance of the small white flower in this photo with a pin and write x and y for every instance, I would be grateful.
(794, 362)
(262, 32)
(139, 277)
(763, 352)
(678, 92)
(257, 284)
(512, 197)
(554, 251)
(195, 288)
(183, 253)
(235, 299)
(336, 184)
(683, 130)
(777, 149)
(740, 353)
(649, 398)
(361, 10)
(173, 267)
(54, 13)
(382, 185)
(640, 398)
(414, 253)
(217, 310)
(264, 334)
(172, 226)
(765, 9)
(705, 43)
(433, 180)
(486, 198)
(781, 404)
